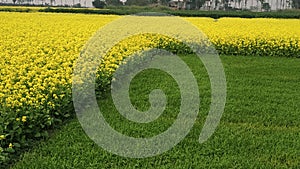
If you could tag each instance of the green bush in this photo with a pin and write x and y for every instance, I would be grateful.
(185, 13)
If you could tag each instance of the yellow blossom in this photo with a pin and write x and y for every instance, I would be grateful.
(24, 118)
(2, 137)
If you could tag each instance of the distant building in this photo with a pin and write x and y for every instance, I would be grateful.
(253, 5)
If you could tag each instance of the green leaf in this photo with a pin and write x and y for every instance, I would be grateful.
(37, 134)
(17, 145)
(10, 150)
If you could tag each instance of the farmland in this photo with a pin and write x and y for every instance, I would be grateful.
(38, 52)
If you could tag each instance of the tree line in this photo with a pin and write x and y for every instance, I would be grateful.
(196, 4)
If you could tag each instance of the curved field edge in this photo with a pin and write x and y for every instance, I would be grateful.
(258, 128)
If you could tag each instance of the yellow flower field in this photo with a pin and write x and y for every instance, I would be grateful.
(38, 51)
(264, 37)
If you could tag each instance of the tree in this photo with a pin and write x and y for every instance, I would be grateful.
(239, 2)
(138, 2)
(296, 4)
(246, 2)
(281, 4)
(266, 6)
(216, 4)
(226, 4)
(196, 4)
(51, 2)
(14, 1)
(184, 4)
(113, 2)
(20, 1)
(99, 4)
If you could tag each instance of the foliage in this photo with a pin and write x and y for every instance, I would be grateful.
(185, 13)
(266, 6)
(296, 4)
(99, 4)
(113, 2)
(9, 9)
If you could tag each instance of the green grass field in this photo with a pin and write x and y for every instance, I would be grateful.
(260, 127)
